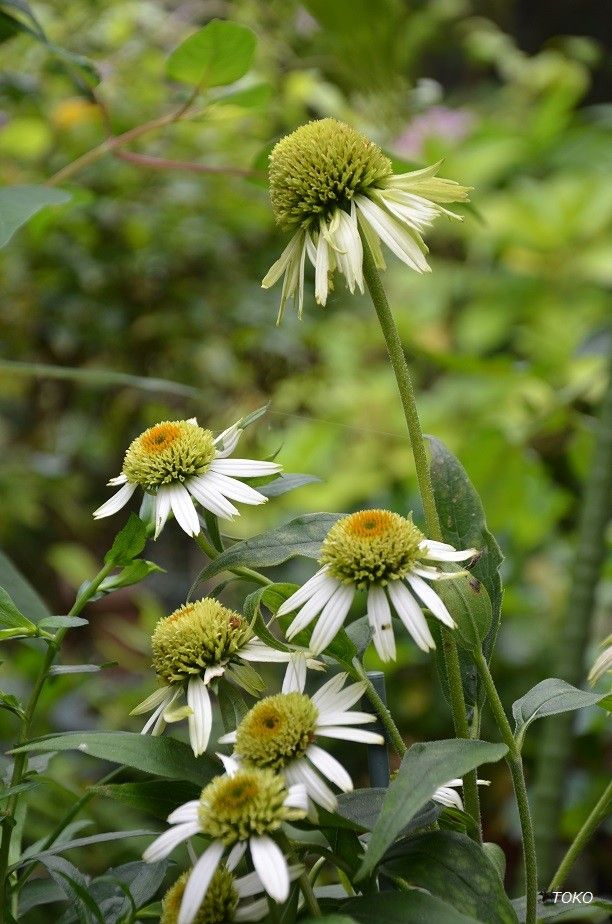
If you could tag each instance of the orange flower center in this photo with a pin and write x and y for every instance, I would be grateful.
(158, 438)
(366, 524)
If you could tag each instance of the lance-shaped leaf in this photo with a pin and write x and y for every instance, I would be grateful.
(23, 595)
(128, 543)
(424, 767)
(12, 617)
(215, 56)
(550, 697)
(301, 536)
(19, 203)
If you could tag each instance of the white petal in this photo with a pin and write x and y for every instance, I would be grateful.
(339, 700)
(319, 792)
(245, 468)
(153, 722)
(332, 618)
(304, 593)
(325, 697)
(235, 855)
(397, 238)
(447, 796)
(200, 723)
(258, 651)
(166, 842)
(321, 264)
(198, 882)
(450, 554)
(118, 479)
(210, 497)
(186, 812)
(271, 867)
(344, 733)
(315, 605)
(435, 544)
(229, 738)
(297, 797)
(294, 680)
(289, 254)
(331, 768)
(248, 885)
(162, 509)
(183, 509)
(345, 718)
(116, 502)
(349, 249)
(254, 911)
(238, 491)
(227, 441)
(411, 615)
(379, 618)
(215, 670)
(161, 695)
(431, 600)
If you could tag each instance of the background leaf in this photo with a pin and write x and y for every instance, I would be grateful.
(25, 598)
(218, 54)
(19, 203)
(550, 697)
(414, 907)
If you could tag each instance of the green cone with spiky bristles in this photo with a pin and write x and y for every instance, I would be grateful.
(277, 730)
(320, 166)
(196, 636)
(171, 451)
(232, 808)
(371, 547)
(218, 905)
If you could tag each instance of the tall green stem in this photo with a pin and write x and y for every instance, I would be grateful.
(582, 838)
(249, 574)
(406, 391)
(515, 764)
(21, 759)
(555, 748)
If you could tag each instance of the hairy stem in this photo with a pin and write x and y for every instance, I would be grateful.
(515, 764)
(599, 812)
(556, 743)
(382, 711)
(421, 461)
(21, 760)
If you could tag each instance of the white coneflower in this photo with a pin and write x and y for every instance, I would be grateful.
(244, 809)
(194, 647)
(328, 183)
(279, 733)
(228, 898)
(180, 462)
(448, 795)
(386, 555)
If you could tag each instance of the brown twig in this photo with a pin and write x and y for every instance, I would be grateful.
(163, 163)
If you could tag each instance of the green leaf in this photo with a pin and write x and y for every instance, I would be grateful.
(456, 869)
(550, 697)
(61, 846)
(128, 543)
(301, 536)
(13, 790)
(19, 203)
(497, 857)
(232, 705)
(596, 911)
(468, 603)
(424, 767)
(413, 907)
(330, 919)
(38, 892)
(62, 622)
(133, 573)
(24, 597)
(11, 616)
(216, 55)
(463, 524)
(285, 483)
(75, 888)
(10, 702)
(153, 797)
(363, 808)
(159, 756)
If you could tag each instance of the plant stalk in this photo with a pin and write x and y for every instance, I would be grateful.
(421, 461)
(382, 711)
(597, 815)
(515, 765)
(249, 574)
(573, 635)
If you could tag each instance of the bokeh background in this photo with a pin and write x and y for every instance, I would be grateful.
(156, 274)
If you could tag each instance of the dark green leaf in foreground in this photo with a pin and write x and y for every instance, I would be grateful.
(550, 697)
(363, 808)
(19, 203)
(301, 536)
(153, 797)
(424, 767)
(413, 907)
(456, 869)
(597, 911)
(128, 543)
(159, 756)
(216, 55)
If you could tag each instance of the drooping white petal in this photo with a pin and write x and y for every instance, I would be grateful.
(338, 700)
(315, 605)
(156, 721)
(118, 479)
(227, 441)
(116, 502)
(447, 796)
(235, 855)
(332, 618)
(166, 842)
(379, 618)
(200, 722)
(289, 255)
(198, 882)
(321, 264)
(397, 238)
(300, 771)
(186, 812)
(161, 695)
(162, 509)
(431, 600)
(271, 867)
(183, 509)
(325, 697)
(237, 490)
(210, 497)
(230, 764)
(248, 885)
(214, 670)
(331, 768)
(304, 593)
(254, 911)
(258, 651)
(349, 249)
(296, 797)
(245, 468)
(411, 615)
(294, 680)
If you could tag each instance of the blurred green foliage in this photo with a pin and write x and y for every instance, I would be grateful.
(155, 273)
